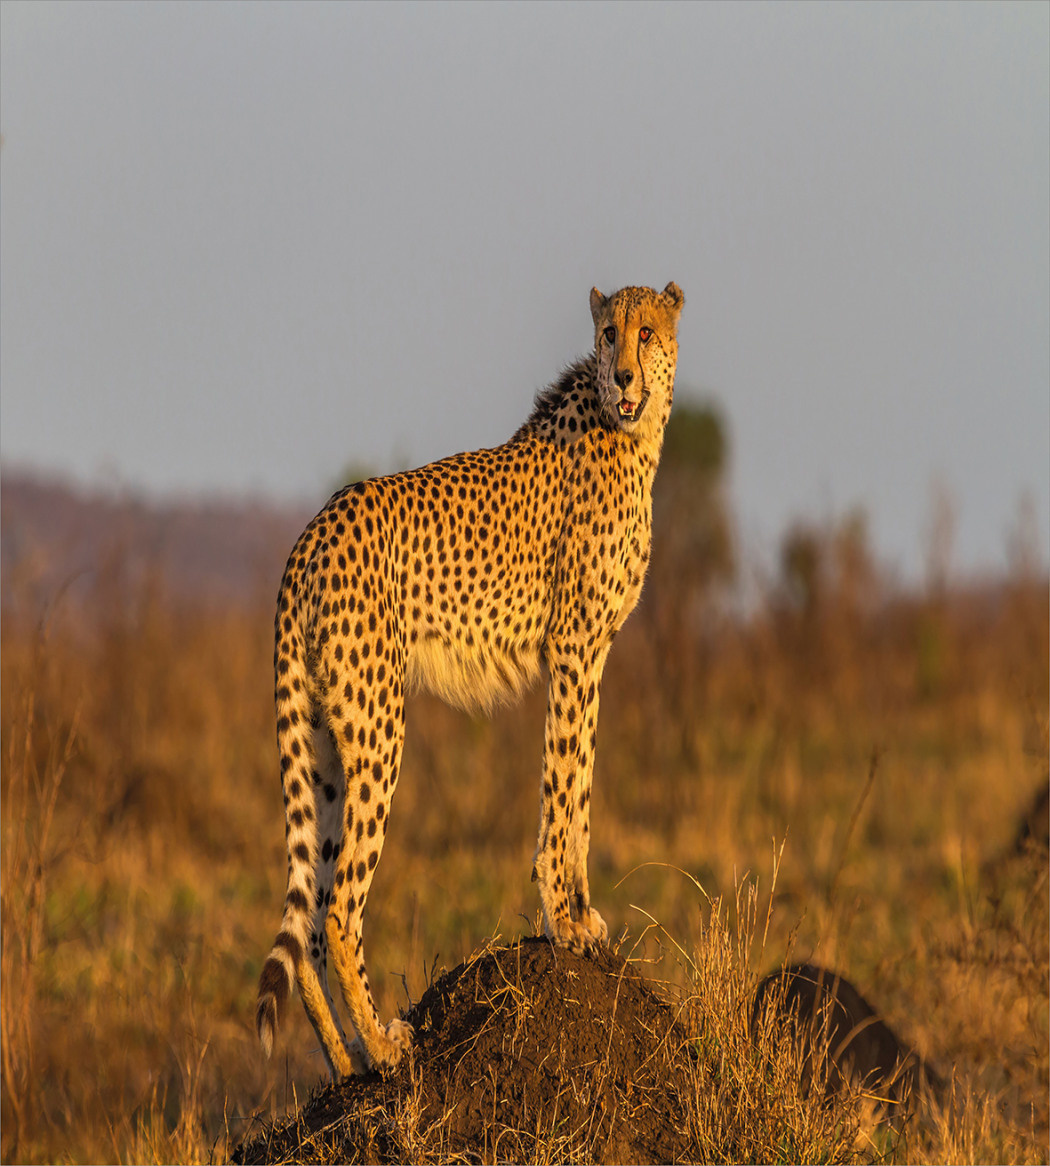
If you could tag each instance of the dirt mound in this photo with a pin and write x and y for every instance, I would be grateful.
(842, 1037)
(522, 1048)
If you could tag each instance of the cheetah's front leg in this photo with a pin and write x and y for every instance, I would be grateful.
(564, 837)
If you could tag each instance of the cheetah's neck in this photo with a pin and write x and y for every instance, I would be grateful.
(568, 409)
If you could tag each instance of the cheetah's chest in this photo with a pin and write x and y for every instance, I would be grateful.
(607, 539)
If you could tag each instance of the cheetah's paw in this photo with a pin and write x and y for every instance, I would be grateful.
(565, 932)
(401, 1034)
(393, 1042)
(595, 927)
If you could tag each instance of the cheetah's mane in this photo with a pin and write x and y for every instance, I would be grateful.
(578, 377)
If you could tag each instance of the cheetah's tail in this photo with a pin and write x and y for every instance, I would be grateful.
(275, 985)
(289, 949)
(294, 718)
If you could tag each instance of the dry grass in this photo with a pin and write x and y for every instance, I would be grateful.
(143, 865)
(676, 1075)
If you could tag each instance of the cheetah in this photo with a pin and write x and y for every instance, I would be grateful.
(462, 578)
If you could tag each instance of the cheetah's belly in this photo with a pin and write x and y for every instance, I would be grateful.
(473, 677)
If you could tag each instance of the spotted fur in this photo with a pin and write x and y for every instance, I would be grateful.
(463, 578)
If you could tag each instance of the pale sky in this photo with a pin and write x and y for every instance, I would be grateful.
(245, 246)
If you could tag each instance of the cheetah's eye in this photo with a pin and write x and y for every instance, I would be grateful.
(610, 334)
(644, 334)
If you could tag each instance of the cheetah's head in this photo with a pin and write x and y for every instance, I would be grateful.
(636, 349)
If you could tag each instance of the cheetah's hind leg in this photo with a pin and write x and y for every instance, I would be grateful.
(371, 781)
(329, 797)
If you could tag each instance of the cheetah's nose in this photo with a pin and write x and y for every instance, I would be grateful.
(623, 377)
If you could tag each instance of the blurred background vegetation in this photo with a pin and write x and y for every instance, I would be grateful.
(892, 739)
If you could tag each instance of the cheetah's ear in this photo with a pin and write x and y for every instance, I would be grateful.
(673, 294)
(598, 302)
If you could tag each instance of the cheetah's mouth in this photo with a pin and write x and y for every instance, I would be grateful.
(632, 410)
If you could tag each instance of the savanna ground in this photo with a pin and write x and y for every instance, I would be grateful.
(837, 775)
